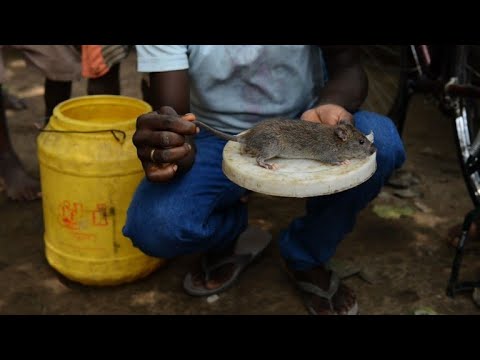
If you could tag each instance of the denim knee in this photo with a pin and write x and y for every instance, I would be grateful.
(166, 225)
(390, 150)
(171, 238)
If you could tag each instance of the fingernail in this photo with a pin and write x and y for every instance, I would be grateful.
(188, 117)
(189, 147)
(175, 167)
(197, 130)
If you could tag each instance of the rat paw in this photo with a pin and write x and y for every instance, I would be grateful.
(344, 162)
(269, 166)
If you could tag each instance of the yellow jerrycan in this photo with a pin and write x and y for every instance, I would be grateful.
(89, 171)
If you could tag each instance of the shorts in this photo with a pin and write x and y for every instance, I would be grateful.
(56, 62)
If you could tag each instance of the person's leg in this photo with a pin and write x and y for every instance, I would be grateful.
(19, 186)
(55, 93)
(10, 102)
(311, 240)
(60, 64)
(201, 212)
(106, 84)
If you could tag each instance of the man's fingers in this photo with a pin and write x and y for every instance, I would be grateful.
(189, 117)
(167, 110)
(154, 121)
(157, 173)
(158, 139)
(159, 156)
(160, 142)
(172, 154)
(310, 115)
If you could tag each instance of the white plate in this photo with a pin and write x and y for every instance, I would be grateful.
(294, 177)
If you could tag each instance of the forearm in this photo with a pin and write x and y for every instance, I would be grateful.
(348, 90)
(347, 84)
(170, 89)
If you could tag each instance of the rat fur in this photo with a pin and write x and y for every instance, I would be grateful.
(298, 139)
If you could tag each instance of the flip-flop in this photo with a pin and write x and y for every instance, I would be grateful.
(308, 288)
(250, 245)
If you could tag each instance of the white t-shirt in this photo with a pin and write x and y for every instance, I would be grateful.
(232, 87)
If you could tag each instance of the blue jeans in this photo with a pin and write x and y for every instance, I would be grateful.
(202, 212)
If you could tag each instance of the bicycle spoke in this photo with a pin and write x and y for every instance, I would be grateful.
(475, 72)
(466, 122)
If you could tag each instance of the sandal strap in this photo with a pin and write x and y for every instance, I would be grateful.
(315, 290)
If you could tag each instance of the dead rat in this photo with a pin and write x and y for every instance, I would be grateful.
(299, 139)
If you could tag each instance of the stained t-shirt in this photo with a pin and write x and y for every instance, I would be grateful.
(232, 87)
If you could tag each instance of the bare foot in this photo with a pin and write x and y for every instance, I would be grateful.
(217, 277)
(19, 186)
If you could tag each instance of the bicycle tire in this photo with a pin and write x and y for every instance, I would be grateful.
(466, 116)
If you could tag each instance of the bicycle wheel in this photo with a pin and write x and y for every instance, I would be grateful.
(465, 68)
(388, 70)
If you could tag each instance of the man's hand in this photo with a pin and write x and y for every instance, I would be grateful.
(328, 114)
(161, 143)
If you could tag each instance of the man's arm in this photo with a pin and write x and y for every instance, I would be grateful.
(347, 84)
(346, 89)
(170, 88)
(164, 130)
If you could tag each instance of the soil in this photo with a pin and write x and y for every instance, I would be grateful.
(407, 258)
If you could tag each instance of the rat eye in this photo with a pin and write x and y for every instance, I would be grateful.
(361, 141)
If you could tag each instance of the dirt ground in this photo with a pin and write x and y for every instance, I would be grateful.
(406, 259)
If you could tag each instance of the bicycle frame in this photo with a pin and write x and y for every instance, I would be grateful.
(433, 82)
(449, 93)
(446, 90)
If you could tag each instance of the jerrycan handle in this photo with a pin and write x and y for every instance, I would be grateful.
(115, 132)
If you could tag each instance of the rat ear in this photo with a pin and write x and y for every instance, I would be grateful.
(370, 136)
(341, 132)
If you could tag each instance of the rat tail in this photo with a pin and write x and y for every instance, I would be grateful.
(216, 132)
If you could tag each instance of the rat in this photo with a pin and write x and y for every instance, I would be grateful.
(299, 139)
